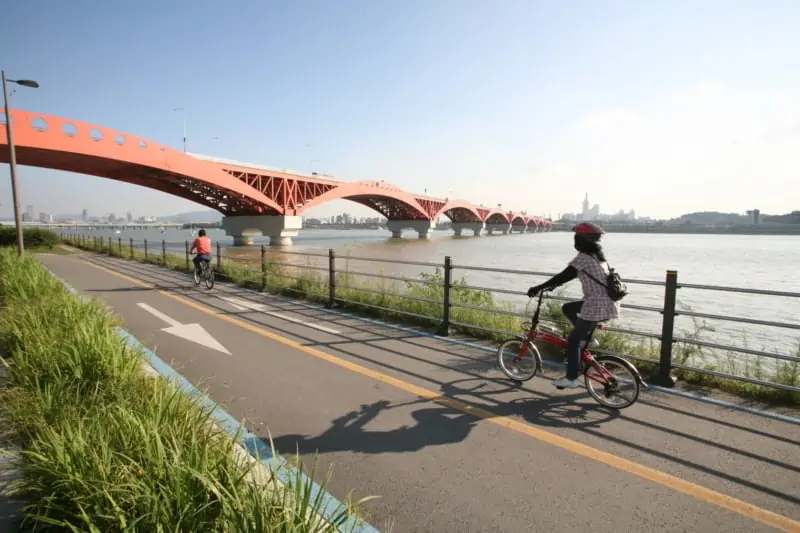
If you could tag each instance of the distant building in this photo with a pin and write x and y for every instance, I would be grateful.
(585, 211)
(755, 215)
(85, 215)
(31, 212)
(130, 217)
(45, 217)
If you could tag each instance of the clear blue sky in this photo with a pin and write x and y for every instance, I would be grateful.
(662, 106)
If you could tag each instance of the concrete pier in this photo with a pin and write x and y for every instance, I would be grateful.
(475, 227)
(280, 229)
(499, 228)
(422, 227)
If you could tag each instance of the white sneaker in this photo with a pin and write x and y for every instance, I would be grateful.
(565, 383)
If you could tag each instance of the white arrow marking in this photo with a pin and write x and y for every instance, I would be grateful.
(242, 305)
(190, 332)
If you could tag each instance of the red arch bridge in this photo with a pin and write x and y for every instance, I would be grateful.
(253, 199)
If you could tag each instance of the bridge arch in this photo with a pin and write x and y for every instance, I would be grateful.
(386, 199)
(459, 211)
(62, 144)
(496, 216)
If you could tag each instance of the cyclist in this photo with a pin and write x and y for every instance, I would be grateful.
(203, 246)
(595, 307)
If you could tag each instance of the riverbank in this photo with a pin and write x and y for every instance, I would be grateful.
(109, 447)
(418, 302)
(693, 230)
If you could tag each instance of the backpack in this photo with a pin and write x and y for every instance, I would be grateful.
(615, 288)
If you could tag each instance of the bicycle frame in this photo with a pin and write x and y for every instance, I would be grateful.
(588, 364)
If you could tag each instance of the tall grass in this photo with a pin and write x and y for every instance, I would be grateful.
(388, 300)
(107, 448)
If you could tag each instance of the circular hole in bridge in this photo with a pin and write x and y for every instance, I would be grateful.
(120, 139)
(142, 144)
(39, 124)
(96, 134)
(69, 129)
(3, 119)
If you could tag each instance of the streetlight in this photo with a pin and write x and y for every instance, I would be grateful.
(12, 156)
(184, 126)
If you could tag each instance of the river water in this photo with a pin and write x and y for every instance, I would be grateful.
(750, 261)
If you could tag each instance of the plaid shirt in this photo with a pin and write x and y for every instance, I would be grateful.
(597, 306)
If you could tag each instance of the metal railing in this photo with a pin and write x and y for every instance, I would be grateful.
(335, 281)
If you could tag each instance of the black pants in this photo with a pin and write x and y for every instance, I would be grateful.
(580, 332)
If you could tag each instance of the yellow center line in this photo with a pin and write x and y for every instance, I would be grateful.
(681, 485)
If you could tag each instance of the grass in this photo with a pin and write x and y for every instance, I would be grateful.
(388, 300)
(33, 239)
(107, 448)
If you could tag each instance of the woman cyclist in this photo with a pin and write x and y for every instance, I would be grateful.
(590, 267)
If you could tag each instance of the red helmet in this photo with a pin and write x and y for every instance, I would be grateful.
(588, 229)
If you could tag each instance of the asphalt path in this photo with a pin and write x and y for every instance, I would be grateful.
(433, 428)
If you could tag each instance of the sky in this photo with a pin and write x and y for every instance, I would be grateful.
(665, 107)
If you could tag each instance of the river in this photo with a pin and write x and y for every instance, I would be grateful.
(751, 261)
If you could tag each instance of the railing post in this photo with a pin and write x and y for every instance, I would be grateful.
(131, 247)
(219, 259)
(145, 250)
(664, 378)
(188, 268)
(120, 246)
(94, 243)
(163, 252)
(102, 244)
(444, 328)
(263, 267)
(331, 279)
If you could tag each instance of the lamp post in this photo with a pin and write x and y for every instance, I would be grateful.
(182, 110)
(12, 157)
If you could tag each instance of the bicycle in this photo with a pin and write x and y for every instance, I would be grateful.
(206, 274)
(593, 368)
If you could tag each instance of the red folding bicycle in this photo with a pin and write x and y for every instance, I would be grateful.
(520, 360)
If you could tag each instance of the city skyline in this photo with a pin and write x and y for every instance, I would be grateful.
(603, 99)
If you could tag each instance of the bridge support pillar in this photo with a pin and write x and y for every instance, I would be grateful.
(422, 227)
(500, 228)
(475, 227)
(280, 229)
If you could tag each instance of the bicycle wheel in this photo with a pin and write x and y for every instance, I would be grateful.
(522, 369)
(196, 277)
(615, 379)
(209, 278)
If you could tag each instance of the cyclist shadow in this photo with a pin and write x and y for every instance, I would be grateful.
(447, 419)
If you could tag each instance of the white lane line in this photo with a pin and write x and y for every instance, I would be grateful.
(242, 305)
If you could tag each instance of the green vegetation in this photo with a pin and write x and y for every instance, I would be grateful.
(107, 448)
(387, 299)
(34, 238)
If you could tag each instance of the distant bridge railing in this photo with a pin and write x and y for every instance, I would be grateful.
(438, 300)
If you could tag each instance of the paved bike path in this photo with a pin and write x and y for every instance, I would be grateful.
(436, 467)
